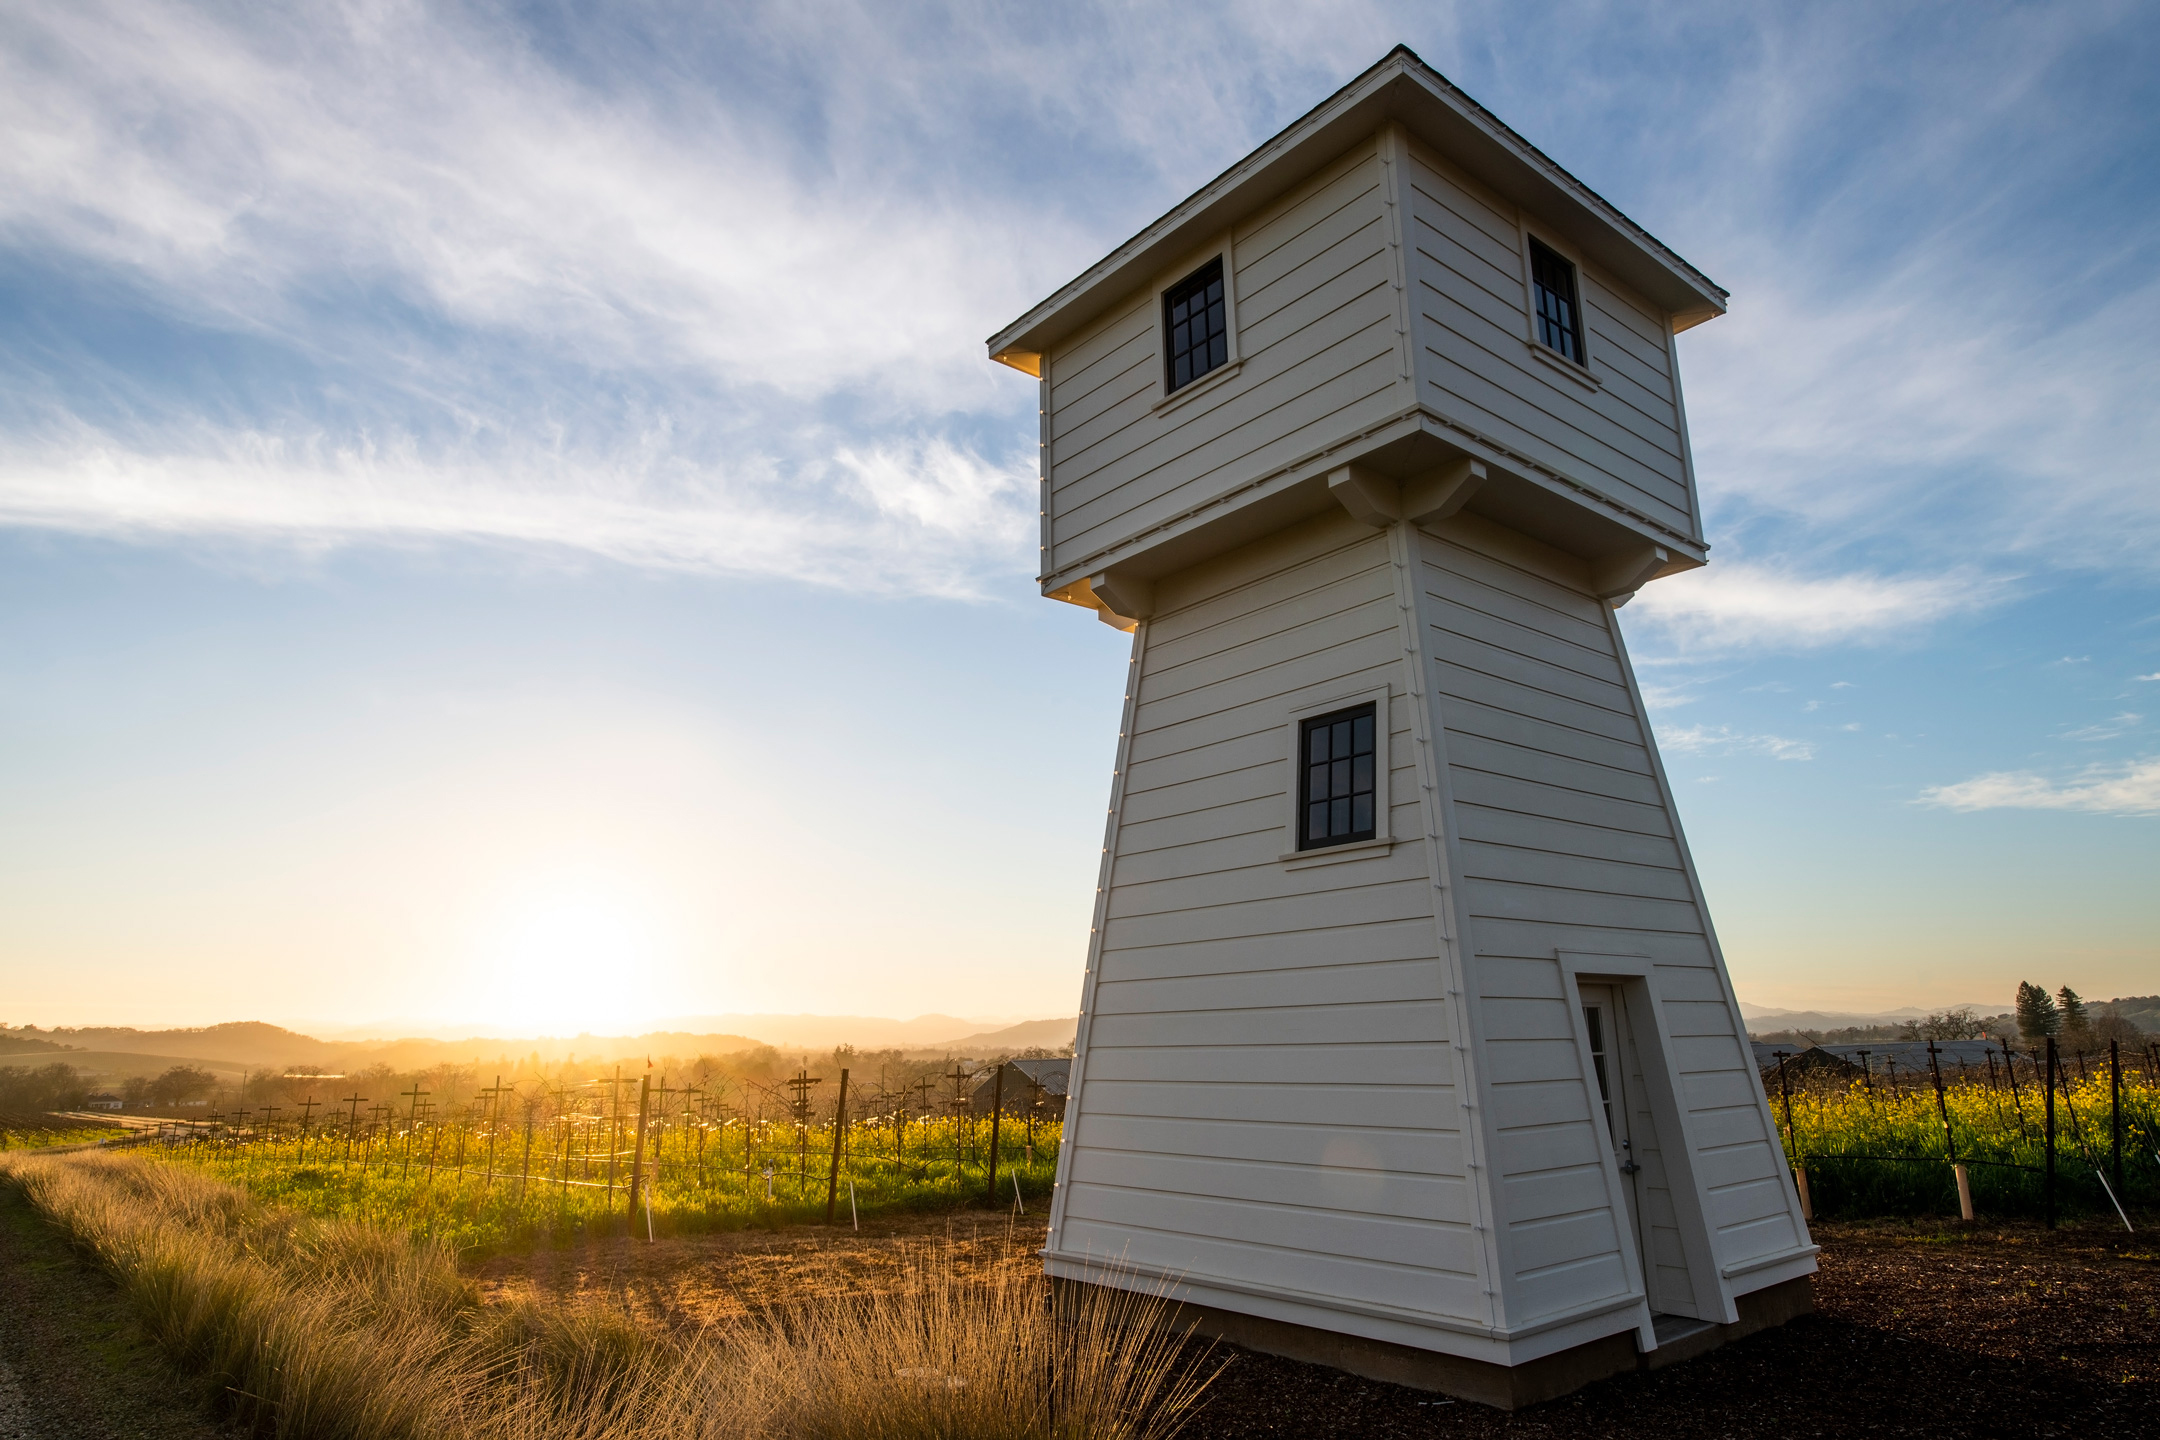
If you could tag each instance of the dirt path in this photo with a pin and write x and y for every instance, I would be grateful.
(70, 1365)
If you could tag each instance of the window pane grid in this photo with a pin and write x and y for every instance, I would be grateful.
(1197, 322)
(1339, 785)
(1559, 315)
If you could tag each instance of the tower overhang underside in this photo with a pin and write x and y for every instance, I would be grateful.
(1573, 519)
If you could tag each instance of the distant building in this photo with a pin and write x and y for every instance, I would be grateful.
(1021, 1079)
(105, 1100)
(1881, 1058)
(1811, 1062)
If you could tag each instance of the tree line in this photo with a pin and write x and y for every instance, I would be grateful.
(2063, 1015)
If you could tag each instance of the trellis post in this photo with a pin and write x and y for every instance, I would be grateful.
(997, 1111)
(1942, 1106)
(637, 1152)
(2049, 1083)
(839, 1128)
(2115, 1113)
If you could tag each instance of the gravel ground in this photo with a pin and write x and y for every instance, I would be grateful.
(70, 1365)
(1921, 1331)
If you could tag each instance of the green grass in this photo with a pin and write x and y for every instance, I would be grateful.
(520, 1201)
(1883, 1152)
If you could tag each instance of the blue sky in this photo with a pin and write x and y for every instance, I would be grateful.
(504, 513)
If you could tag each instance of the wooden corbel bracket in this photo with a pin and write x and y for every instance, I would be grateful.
(1616, 578)
(1426, 499)
(1124, 599)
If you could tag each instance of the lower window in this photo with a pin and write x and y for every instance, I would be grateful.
(1337, 790)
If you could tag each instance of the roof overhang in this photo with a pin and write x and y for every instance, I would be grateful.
(1404, 90)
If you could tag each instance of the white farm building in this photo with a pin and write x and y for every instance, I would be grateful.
(1405, 1039)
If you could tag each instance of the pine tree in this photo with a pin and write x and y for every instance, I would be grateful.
(2076, 1024)
(2037, 1016)
(2073, 1009)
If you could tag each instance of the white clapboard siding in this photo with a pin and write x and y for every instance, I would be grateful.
(1471, 323)
(1566, 842)
(1268, 1086)
(1562, 828)
(1312, 277)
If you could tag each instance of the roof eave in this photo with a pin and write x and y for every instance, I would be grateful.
(1400, 88)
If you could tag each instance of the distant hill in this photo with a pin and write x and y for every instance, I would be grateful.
(823, 1032)
(254, 1045)
(2142, 1011)
(239, 1043)
(1760, 1017)
(1028, 1035)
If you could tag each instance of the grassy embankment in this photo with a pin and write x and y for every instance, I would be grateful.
(1874, 1150)
(447, 1183)
(307, 1326)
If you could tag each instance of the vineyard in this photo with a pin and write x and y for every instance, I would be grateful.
(537, 1166)
(36, 1132)
(2035, 1138)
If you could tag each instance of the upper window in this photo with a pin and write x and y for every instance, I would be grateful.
(1196, 326)
(1337, 791)
(1559, 312)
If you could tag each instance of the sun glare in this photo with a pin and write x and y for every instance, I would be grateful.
(569, 961)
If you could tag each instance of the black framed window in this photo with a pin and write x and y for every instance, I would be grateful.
(1559, 311)
(1337, 789)
(1196, 326)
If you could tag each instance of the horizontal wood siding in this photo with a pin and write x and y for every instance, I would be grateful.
(1268, 1091)
(1566, 844)
(1471, 325)
(1315, 319)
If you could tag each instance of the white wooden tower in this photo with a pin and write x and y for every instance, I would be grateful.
(1405, 1040)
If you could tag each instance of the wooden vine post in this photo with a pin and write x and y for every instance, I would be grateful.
(2115, 1112)
(1792, 1138)
(997, 1111)
(839, 1128)
(1957, 1169)
(2049, 1082)
(637, 1153)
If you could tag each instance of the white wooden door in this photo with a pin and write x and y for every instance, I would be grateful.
(1631, 1129)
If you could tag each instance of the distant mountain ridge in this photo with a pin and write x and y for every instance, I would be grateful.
(255, 1044)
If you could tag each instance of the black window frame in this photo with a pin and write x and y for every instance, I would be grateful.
(1210, 285)
(1556, 296)
(1338, 773)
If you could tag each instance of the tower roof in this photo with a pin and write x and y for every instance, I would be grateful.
(1400, 88)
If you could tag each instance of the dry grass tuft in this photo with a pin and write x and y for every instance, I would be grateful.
(331, 1330)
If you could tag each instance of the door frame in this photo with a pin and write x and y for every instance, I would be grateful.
(1630, 977)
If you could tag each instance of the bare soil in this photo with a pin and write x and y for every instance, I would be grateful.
(1921, 1329)
(79, 1369)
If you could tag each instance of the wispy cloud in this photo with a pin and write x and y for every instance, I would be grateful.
(2122, 790)
(1751, 606)
(929, 517)
(804, 219)
(1724, 740)
(2110, 729)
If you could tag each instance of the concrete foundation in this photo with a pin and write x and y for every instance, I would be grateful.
(1507, 1387)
